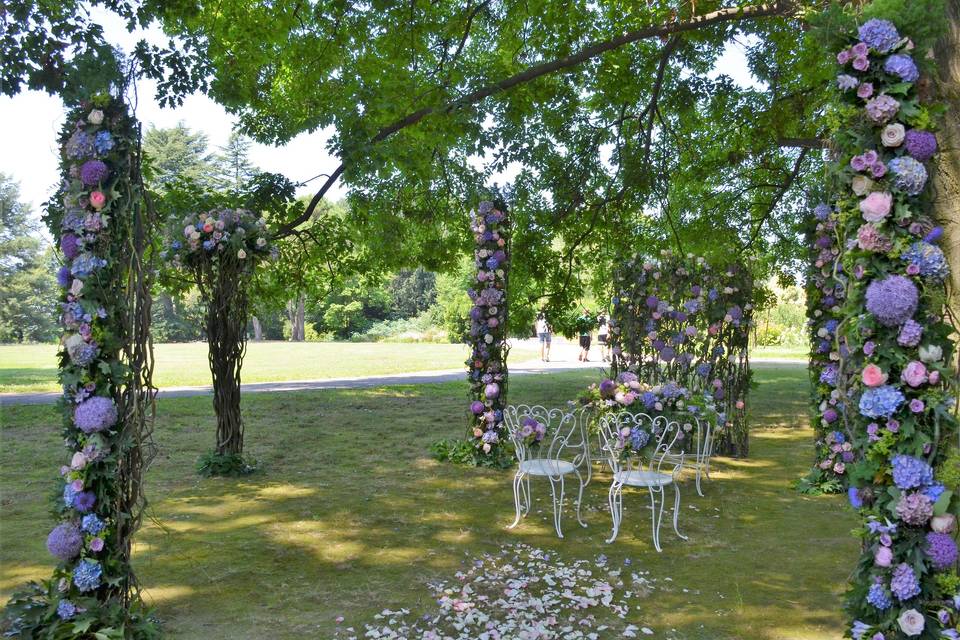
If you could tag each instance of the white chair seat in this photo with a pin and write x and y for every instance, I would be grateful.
(546, 467)
(639, 478)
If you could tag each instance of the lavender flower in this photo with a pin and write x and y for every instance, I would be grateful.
(910, 334)
(882, 108)
(904, 584)
(65, 541)
(920, 144)
(892, 300)
(915, 509)
(95, 414)
(941, 549)
(879, 35)
(880, 402)
(93, 172)
(910, 175)
(84, 501)
(902, 66)
(70, 245)
(63, 277)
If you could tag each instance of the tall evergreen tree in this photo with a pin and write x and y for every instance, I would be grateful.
(233, 162)
(176, 154)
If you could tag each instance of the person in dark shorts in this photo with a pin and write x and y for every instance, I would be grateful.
(542, 328)
(603, 336)
(585, 324)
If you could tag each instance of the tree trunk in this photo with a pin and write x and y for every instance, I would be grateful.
(946, 191)
(296, 314)
(257, 328)
(227, 339)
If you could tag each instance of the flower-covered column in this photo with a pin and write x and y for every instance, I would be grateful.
(105, 365)
(826, 291)
(903, 396)
(488, 334)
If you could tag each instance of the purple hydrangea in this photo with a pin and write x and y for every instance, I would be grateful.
(904, 583)
(892, 300)
(930, 260)
(93, 172)
(70, 245)
(829, 375)
(879, 35)
(882, 108)
(910, 333)
(915, 509)
(941, 549)
(878, 597)
(65, 541)
(95, 414)
(910, 472)
(880, 402)
(902, 66)
(909, 174)
(920, 144)
(66, 609)
(607, 387)
(80, 145)
(63, 276)
(87, 574)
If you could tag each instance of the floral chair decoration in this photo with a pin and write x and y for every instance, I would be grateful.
(549, 443)
(642, 452)
(694, 445)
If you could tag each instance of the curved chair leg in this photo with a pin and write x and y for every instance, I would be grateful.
(699, 473)
(589, 462)
(517, 498)
(580, 497)
(676, 510)
(656, 517)
(527, 495)
(557, 503)
(615, 500)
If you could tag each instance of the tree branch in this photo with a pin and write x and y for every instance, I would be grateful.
(721, 16)
(782, 191)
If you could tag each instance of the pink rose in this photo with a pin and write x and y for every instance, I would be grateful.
(870, 157)
(98, 200)
(934, 377)
(839, 468)
(876, 206)
(861, 63)
(740, 404)
(883, 557)
(843, 57)
(96, 545)
(207, 228)
(865, 90)
(914, 374)
(860, 49)
(873, 376)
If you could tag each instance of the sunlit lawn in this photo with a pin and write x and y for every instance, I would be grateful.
(349, 516)
(26, 368)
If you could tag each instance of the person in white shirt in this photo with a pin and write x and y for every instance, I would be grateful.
(603, 336)
(543, 330)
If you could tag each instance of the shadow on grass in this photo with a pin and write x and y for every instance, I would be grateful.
(349, 517)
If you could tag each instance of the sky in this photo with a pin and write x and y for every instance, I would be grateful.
(30, 123)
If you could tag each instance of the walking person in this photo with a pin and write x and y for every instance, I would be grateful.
(603, 336)
(585, 324)
(542, 327)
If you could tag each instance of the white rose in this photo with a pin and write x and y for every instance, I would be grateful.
(241, 254)
(930, 353)
(911, 622)
(892, 135)
(488, 338)
(862, 185)
(76, 287)
(79, 461)
(944, 524)
(95, 117)
(261, 242)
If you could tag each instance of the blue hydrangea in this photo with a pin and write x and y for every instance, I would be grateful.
(822, 211)
(86, 264)
(208, 245)
(929, 258)
(638, 438)
(934, 491)
(649, 399)
(881, 402)
(672, 390)
(80, 145)
(66, 610)
(492, 263)
(902, 66)
(853, 495)
(879, 598)
(87, 574)
(703, 369)
(92, 524)
(904, 583)
(909, 174)
(910, 472)
(880, 35)
(838, 437)
(103, 142)
(69, 495)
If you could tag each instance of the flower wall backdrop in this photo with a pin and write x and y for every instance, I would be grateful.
(487, 364)
(898, 345)
(681, 320)
(826, 291)
(105, 365)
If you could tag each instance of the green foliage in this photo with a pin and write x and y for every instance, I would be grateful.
(459, 451)
(213, 464)
(453, 304)
(949, 470)
(178, 155)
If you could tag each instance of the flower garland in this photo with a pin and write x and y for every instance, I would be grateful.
(487, 364)
(901, 412)
(681, 320)
(94, 220)
(826, 292)
(208, 237)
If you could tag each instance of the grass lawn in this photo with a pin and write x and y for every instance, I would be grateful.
(27, 368)
(350, 516)
(780, 353)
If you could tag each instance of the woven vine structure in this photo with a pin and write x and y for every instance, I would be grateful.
(487, 364)
(106, 366)
(680, 319)
(895, 342)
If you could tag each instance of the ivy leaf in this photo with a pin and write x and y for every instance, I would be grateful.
(943, 503)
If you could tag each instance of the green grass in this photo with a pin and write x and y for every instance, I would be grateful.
(349, 516)
(785, 353)
(28, 368)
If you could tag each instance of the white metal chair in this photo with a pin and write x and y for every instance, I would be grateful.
(563, 450)
(696, 440)
(654, 471)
